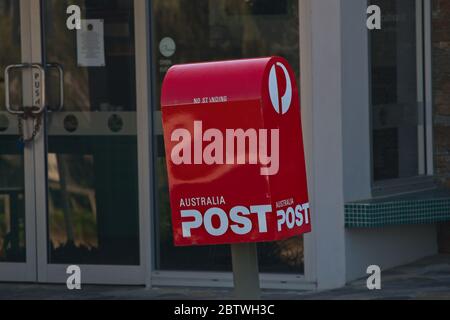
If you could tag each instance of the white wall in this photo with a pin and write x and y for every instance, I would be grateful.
(355, 101)
(320, 45)
(335, 94)
(387, 247)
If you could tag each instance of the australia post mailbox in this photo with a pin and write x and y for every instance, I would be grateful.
(234, 152)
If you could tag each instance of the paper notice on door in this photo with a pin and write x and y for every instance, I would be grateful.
(91, 43)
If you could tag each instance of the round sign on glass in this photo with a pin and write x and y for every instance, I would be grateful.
(115, 123)
(70, 123)
(167, 47)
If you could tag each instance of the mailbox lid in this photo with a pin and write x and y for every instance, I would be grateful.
(210, 82)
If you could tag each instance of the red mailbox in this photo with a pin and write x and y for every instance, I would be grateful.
(234, 152)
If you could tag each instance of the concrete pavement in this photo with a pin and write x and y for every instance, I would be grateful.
(426, 279)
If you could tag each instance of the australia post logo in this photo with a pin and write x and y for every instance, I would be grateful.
(281, 103)
(237, 146)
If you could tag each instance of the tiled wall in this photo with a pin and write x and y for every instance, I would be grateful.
(396, 212)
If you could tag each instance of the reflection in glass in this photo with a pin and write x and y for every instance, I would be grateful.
(397, 114)
(92, 163)
(208, 30)
(110, 88)
(12, 208)
(72, 203)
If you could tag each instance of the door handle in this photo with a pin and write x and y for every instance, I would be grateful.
(41, 87)
(42, 91)
(39, 103)
(61, 84)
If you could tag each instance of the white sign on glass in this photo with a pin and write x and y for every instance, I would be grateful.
(91, 43)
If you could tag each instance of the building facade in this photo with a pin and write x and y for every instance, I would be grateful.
(90, 188)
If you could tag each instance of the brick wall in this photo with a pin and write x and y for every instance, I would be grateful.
(441, 108)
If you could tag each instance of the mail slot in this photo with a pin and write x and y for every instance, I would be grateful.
(234, 152)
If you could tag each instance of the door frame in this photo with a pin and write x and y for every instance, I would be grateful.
(26, 271)
(93, 274)
(36, 268)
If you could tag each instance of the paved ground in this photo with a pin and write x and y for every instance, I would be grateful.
(425, 279)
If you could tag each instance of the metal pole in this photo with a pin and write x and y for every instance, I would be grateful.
(245, 271)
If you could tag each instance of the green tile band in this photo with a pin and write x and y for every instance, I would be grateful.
(379, 214)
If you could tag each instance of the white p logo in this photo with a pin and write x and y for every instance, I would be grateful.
(286, 99)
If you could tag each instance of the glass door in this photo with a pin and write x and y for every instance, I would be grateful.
(88, 207)
(17, 179)
(69, 169)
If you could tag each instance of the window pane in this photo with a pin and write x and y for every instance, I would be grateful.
(397, 112)
(206, 30)
(93, 214)
(12, 182)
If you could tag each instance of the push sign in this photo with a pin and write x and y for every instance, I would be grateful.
(234, 152)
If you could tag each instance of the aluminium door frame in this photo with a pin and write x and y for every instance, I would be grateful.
(12, 271)
(96, 274)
